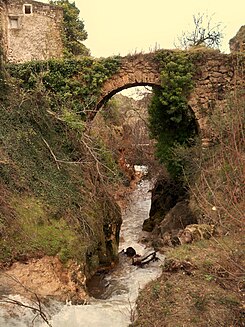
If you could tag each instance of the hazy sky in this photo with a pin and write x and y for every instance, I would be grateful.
(122, 27)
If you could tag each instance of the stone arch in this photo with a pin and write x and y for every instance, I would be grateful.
(136, 70)
(216, 75)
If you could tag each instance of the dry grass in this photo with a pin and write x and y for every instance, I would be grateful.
(220, 189)
(207, 294)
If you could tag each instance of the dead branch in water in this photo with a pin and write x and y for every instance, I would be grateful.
(141, 261)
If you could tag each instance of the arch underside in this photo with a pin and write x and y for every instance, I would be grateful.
(109, 95)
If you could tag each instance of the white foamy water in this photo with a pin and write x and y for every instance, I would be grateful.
(117, 307)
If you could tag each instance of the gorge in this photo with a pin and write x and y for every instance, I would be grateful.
(67, 169)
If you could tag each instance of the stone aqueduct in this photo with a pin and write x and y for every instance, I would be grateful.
(217, 74)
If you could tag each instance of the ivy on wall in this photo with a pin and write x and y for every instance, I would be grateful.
(73, 83)
(171, 120)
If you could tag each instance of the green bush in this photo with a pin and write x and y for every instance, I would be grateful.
(70, 83)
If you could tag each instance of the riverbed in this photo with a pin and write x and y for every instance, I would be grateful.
(114, 305)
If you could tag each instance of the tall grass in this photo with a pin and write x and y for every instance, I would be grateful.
(216, 174)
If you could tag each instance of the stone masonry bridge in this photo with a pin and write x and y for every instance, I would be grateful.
(217, 75)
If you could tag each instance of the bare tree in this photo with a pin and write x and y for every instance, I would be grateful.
(205, 33)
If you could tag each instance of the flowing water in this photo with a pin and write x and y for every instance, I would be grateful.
(118, 290)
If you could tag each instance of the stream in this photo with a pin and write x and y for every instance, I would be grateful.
(116, 292)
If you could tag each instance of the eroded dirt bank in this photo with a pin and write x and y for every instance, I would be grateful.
(46, 277)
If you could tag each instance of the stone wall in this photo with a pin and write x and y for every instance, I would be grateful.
(136, 70)
(237, 43)
(217, 76)
(32, 30)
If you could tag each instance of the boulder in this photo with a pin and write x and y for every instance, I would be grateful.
(197, 232)
(130, 252)
(178, 218)
(165, 194)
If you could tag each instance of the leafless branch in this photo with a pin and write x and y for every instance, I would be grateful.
(52, 153)
(36, 308)
(203, 33)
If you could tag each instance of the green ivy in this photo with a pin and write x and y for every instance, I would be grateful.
(74, 32)
(70, 83)
(171, 120)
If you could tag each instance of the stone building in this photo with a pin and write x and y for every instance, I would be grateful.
(30, 30)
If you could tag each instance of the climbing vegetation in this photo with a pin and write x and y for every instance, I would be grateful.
(73, 83)
(74, 32)
(171, 120)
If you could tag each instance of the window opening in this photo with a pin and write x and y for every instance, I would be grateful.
(13, 22)
(27, 9)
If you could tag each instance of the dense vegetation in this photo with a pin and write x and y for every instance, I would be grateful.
(70, 83)
(171, 120)
(54, 176)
